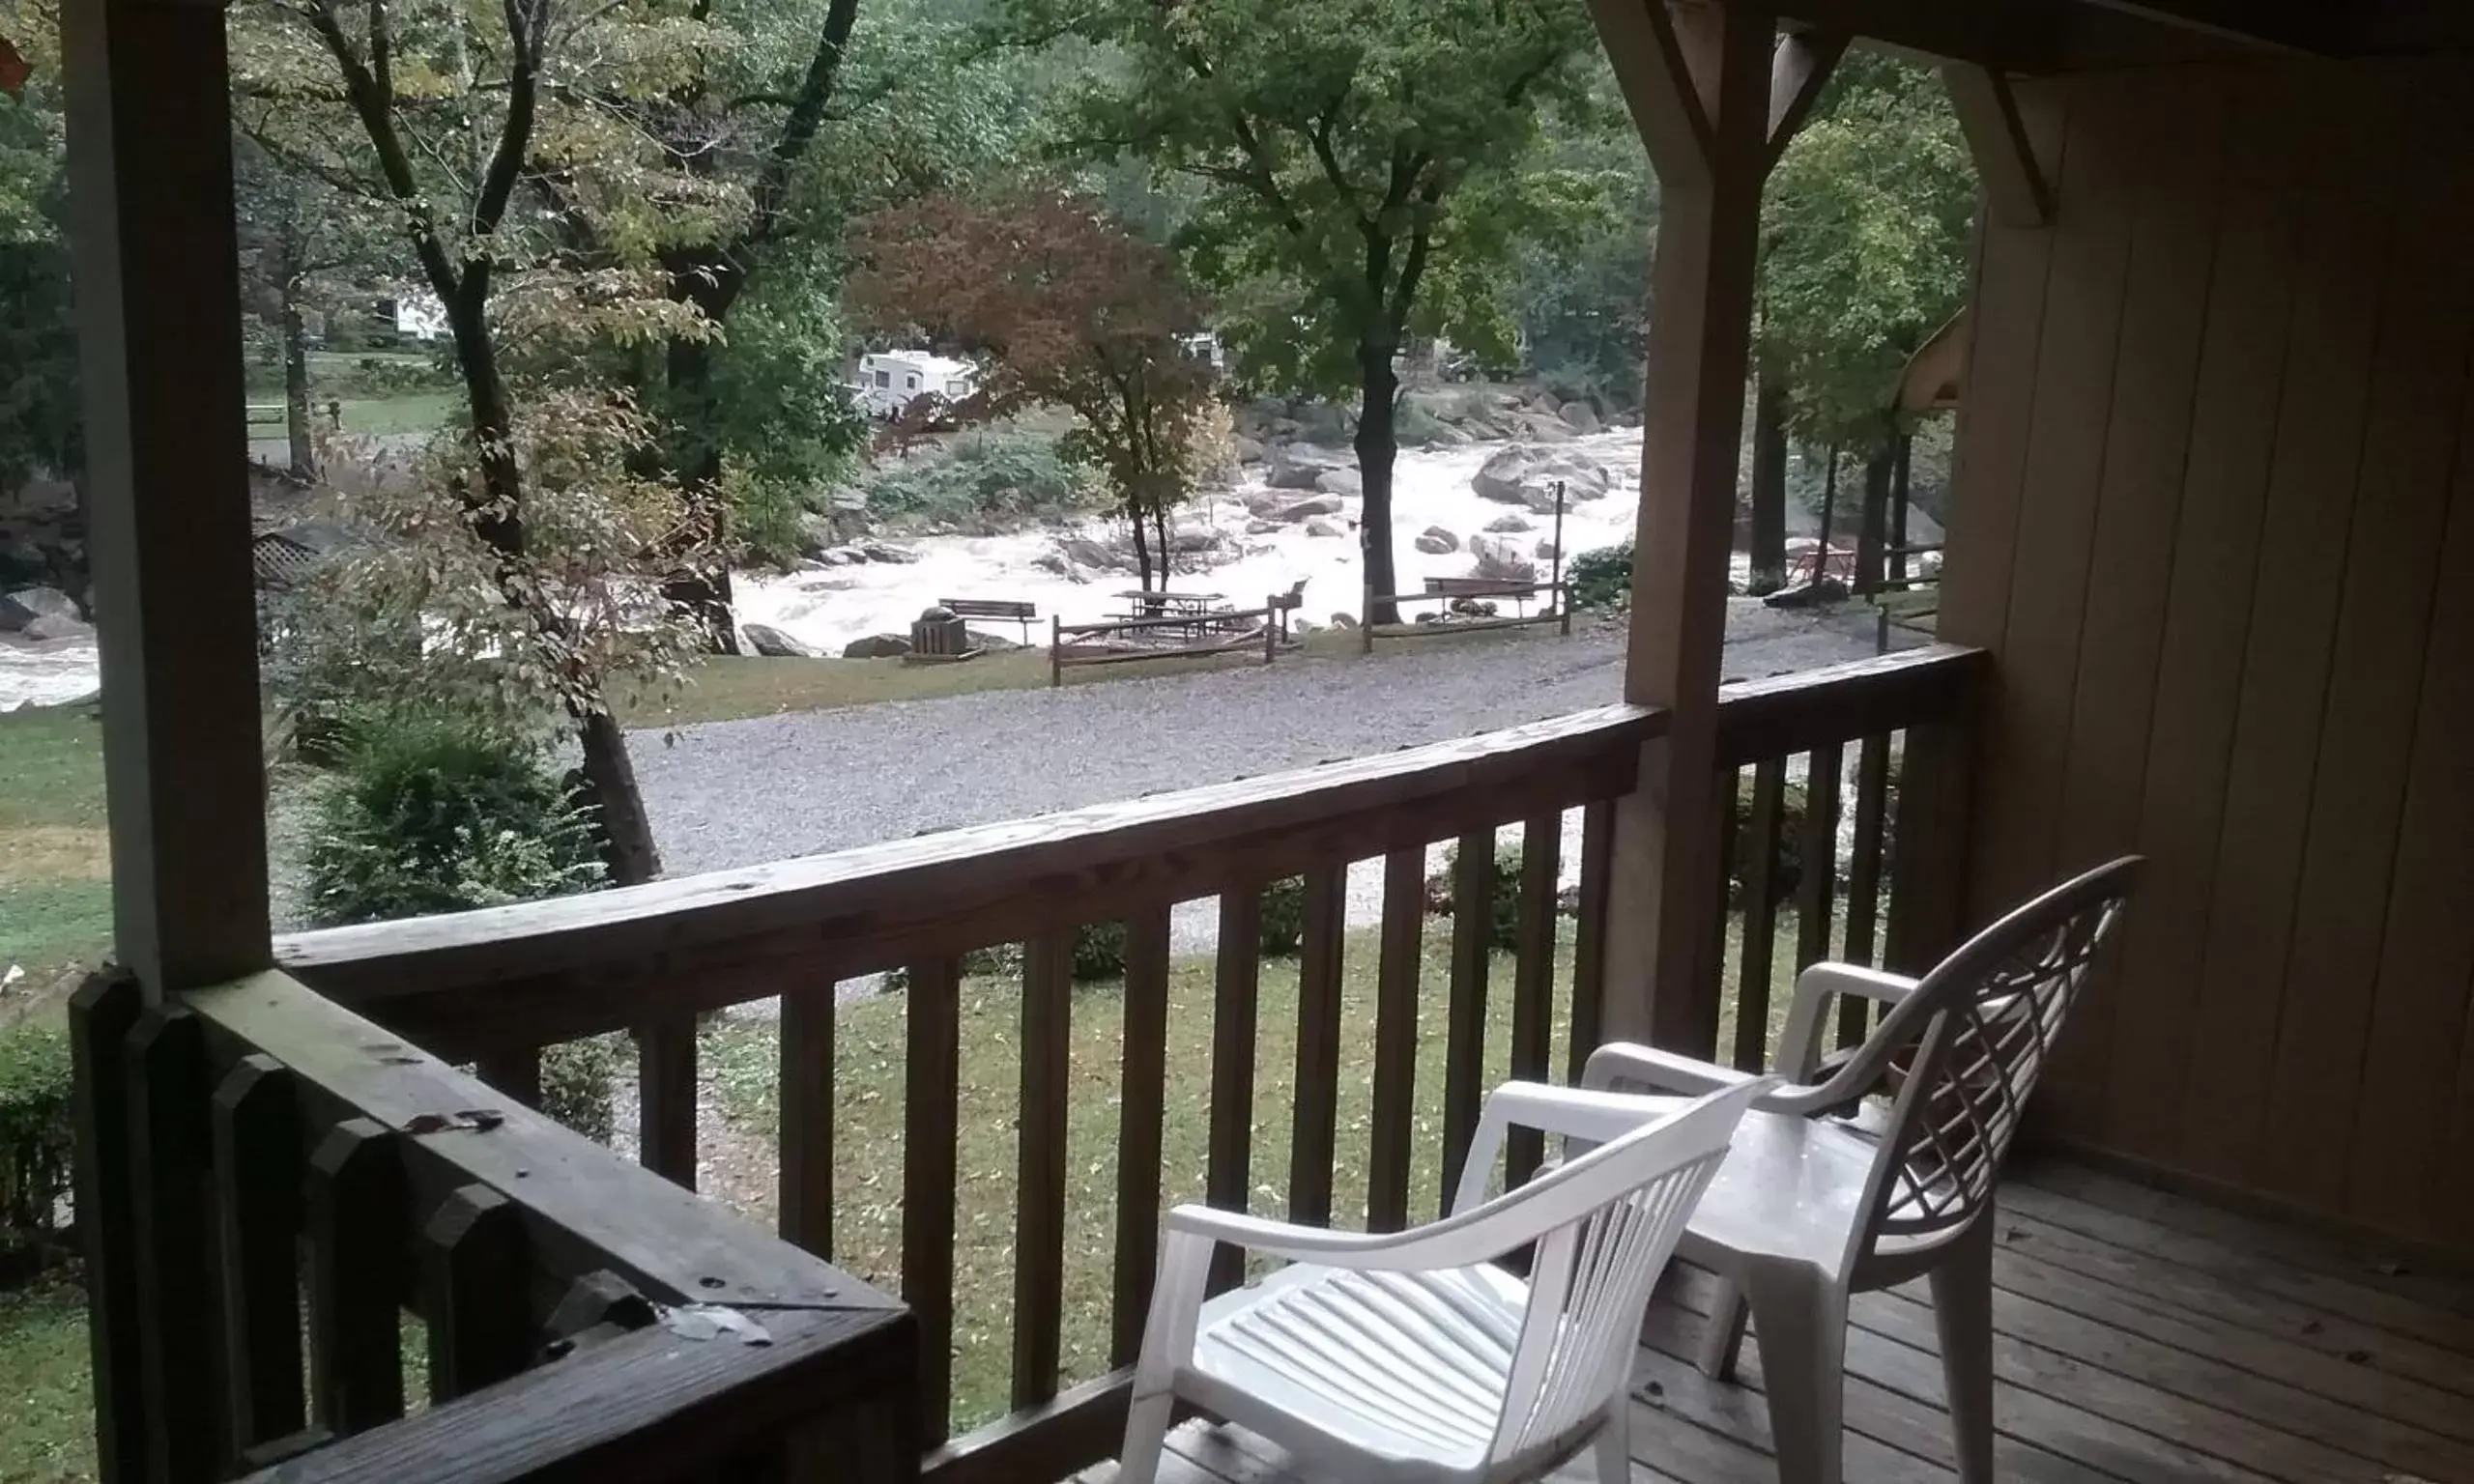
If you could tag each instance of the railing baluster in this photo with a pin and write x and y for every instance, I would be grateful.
(807, 1117)
(1589, 934)
(1817, 886)
(356, 1225)
(1317, 1089)
(932, 1081)
(515, 1071)
(1239, 987)
(481, 1302)
(1533, 994)
(101, 1016)
(1143, 1104)
(1731, 826)
(1760, 915)
(1864, 867)
(1464, 1056)
(176, 1274)
(258, 1173)
(1039, 1221)
(666, 1098)
(1396, 1038)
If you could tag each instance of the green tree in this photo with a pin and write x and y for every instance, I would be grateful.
(39, 412)
(1367, 170)
(1865, 232)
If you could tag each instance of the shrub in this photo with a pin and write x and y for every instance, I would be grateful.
(575, 1083)
(1284, 916)
(1502, 927)
(1787, 860)
(999, 472)
(34, 1128)
(1601, 579)
(1098, 951)
(431, 812)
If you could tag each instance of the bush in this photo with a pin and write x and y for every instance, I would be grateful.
(575, 1083)
(1601, 579)
(430, 812)
(1001, 474)
(1284, 916)
(1502, 927)
(35, 1129)
(1098, 951)
(1787, 860)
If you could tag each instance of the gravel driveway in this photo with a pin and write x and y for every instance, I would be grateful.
(738, 793)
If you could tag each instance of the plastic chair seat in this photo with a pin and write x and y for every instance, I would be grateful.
(1790, 1187)
(1403, 1373)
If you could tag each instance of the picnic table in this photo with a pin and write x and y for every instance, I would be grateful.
(1201, 611)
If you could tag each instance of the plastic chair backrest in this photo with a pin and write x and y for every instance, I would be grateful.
(1981, 1024)
(1590, 1278)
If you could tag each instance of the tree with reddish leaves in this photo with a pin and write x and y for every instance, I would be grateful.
(1063, 307)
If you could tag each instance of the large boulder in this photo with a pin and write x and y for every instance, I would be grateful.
(1500, 561)
(1248, 450)
(1300, 466)
(1526, 476)
(818, 534)
(1313, 506)
(1435, 541)
(57, 626)
(1083, 552)
(1510, 525)
(840, 556)
(876, 646)
(1262, 528)
(1187, 540)
(1545, 551)
(1340, 481)
(771, 642)
(887, 550)
(24, 606)
(1581, 417)
(1319, 526)
(1345, 620)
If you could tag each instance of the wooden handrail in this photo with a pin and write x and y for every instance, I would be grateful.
(471, 982)
(1809, 708)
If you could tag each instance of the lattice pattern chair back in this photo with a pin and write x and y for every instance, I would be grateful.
(1992, 1013)
(1588, 1289)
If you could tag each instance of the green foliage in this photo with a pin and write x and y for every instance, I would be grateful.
(35, 1134)
(1098, 951)
(1284, 916)
(40, 417)
(781, 419)
(1786, 856)
(1502, 894)
(1601, 579)
(576, 1077)
(1864, 245)
(432, 812)
(1000, 474)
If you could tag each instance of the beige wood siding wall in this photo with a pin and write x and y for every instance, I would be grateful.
(2215, 516)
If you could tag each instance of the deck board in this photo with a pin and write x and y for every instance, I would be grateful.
(2140, 1338)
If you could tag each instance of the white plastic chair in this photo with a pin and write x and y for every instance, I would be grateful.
(1824, 1195)
(1412, 1357)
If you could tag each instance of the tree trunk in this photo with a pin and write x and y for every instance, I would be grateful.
(701, 592)
(1378, 446)
(1142, 550)
(1160, 526)
(1769, 486)
(1898, 506)
(1829, 507)
(627, 833)
(1879, 466)
(296, 387)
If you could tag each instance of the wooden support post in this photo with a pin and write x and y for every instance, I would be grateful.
(170, 1170)
(2017, 191)
(166, 487)
(258, 1173)
(1709, 90)
(102, 1014)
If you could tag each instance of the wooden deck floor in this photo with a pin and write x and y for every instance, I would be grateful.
(2140, 1337)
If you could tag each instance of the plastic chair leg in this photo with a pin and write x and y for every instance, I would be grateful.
(1615, 1443)
(1802, 1318)
(1962, 1314)
(1146, 1434)
(1722, 1343)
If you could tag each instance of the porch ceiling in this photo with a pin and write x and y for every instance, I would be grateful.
(2052, 36)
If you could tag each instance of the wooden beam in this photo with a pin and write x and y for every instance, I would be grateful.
(1798, 70)
(2291, 27)
(2017, 191)
(1651, 68)
(1665, 867)
(2017, 35)
(158, 327)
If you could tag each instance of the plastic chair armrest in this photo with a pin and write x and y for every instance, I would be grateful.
(1799, 1047)
(1667, 1071)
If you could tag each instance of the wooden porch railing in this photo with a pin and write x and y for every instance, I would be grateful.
(496, 986)
(1865, 760)
(257, 1143)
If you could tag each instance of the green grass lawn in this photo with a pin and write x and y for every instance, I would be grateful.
(49, 1433)
(55, 857)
